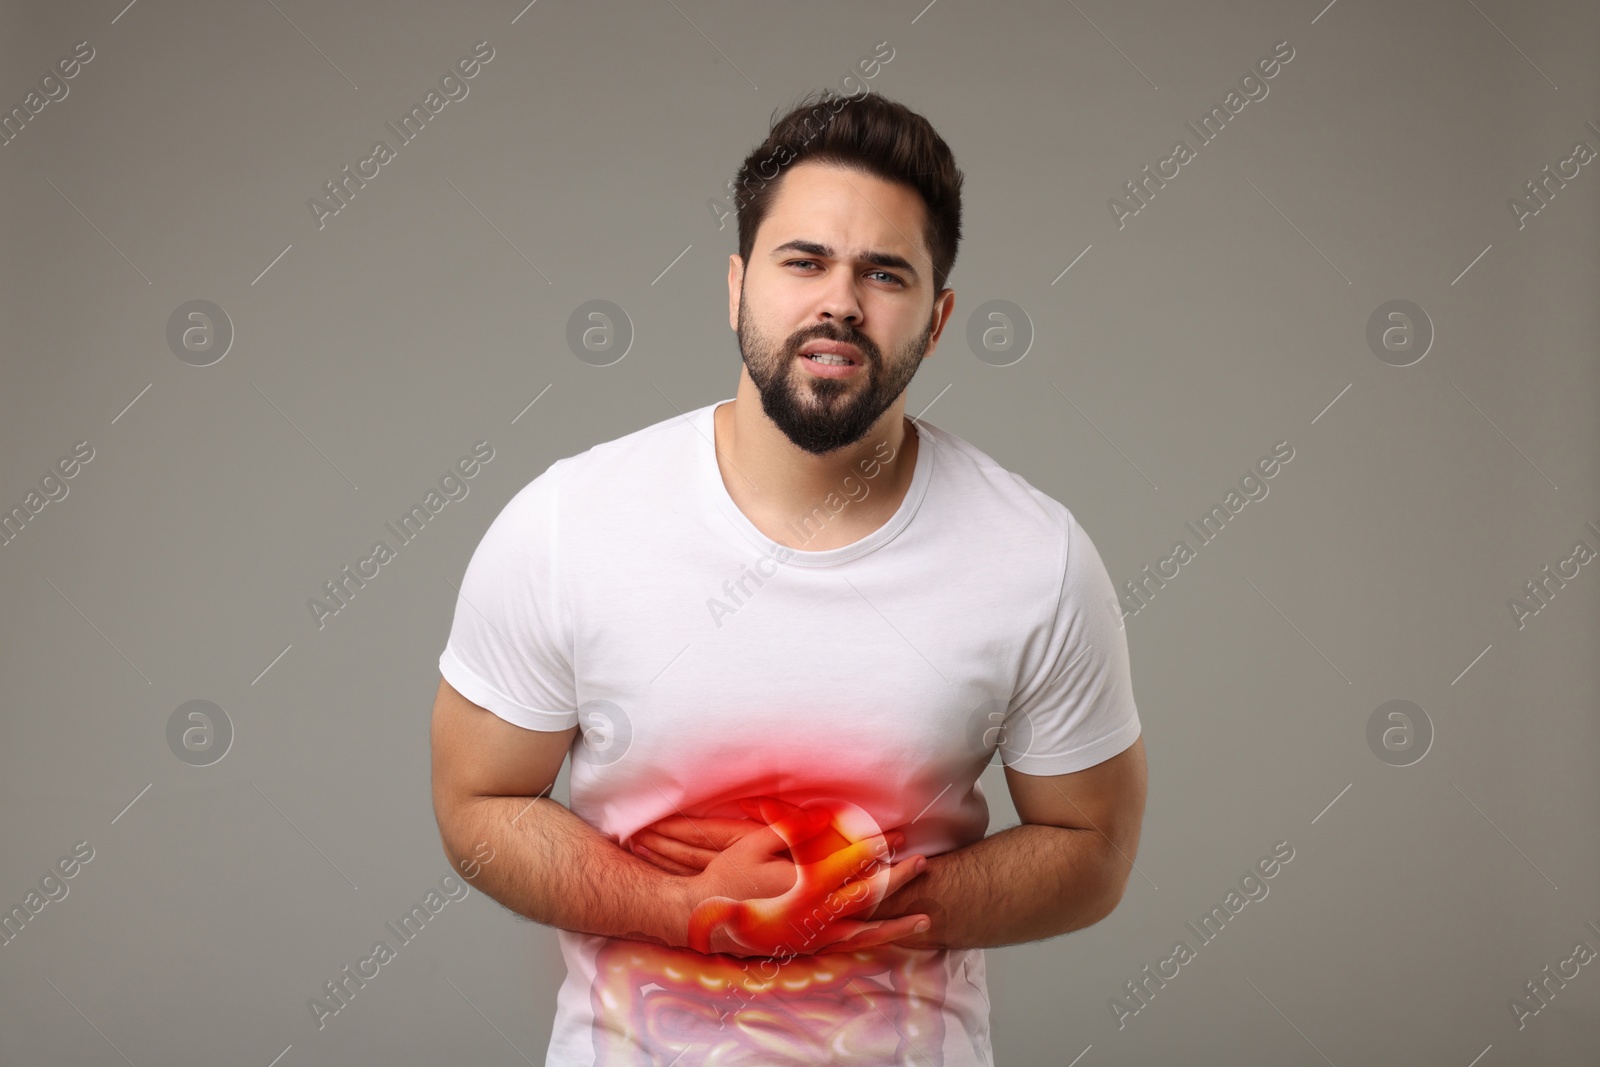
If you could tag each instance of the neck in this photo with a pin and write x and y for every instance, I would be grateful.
(768, 475)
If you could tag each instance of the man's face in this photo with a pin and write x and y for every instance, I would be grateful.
(840, 257)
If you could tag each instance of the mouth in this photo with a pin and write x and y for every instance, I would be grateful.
(831, 353)
(831, 359)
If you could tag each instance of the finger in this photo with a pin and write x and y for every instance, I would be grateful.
(853, 861)
(820, 844)
(798, 825)
(766, 809)
(701, 832)
(851, 897)
(712, 832)
(670, 866)
(907, 869)
(675, 850)
(731, 830)
(859, 896)
(759, 843)
(859, 935)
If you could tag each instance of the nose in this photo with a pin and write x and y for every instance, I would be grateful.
(839, 303)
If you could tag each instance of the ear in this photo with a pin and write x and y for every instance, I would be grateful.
(944, 306)
(735, 289)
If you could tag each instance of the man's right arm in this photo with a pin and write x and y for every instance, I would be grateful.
(491, 786)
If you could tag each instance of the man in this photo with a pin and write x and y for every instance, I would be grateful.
(794, 627)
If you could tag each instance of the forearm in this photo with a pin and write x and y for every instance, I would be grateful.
(552, 867)
(1024, 883)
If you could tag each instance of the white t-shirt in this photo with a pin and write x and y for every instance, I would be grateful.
(624, 591)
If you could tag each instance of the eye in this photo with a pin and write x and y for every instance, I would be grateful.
(882, 273)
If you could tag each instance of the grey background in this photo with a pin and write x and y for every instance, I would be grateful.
(1228, 315)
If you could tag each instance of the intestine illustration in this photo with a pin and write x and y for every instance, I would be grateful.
(778, 1002)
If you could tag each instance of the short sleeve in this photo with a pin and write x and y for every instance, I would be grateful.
(1074, 707)
(509, 648)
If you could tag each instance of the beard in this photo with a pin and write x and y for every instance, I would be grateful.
(823, 415)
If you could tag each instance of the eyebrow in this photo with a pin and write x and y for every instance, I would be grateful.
(878, 259)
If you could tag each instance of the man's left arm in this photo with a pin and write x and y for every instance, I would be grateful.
(1063, 868)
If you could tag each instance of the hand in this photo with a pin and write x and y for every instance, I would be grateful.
(680, 845)
(684, 846)
(783, 883)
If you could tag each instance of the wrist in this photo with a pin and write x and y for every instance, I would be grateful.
(678, 903)
(909, 898)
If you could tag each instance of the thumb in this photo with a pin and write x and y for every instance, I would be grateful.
(766, 809)
(759, 842)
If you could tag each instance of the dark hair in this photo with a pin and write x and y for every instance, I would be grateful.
(868, 133)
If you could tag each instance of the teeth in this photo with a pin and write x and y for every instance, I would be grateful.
(829, 358)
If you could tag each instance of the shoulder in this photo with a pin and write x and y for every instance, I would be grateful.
(999, 499)
(1029, 534)
(621, 469)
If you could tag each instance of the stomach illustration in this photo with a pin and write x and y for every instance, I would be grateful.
(777, 1002)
